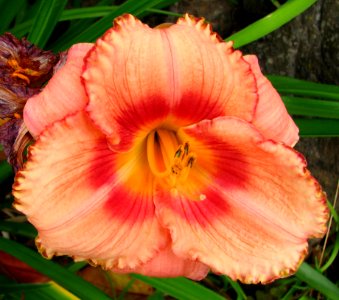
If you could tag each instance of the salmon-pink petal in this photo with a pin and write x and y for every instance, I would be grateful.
(211, 79)
(138, 78)
(252, 208)
(62, 96)
(71, 191)
(167, 264)
(127, 78)
(271, 117)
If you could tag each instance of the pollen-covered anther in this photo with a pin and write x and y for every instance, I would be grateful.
(183, 161)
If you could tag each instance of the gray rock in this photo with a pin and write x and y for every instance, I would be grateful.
(217, 12)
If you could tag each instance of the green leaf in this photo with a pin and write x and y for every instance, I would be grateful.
(100, 11)
(21, 29)
(334, 213)
(333, 255)
(157, 295)
(5, 171)
(271, 22)
(33, 291)
(311, 107)
(180, 288)
(76, 28)
(18, 287)
(317, 281)
(77, 266)
(24, 20)
(317, 127)
(8, 12)
(236, 286)
(288, 85)
(60, 275)
(45, 20)
(94, 31)
(23, 229)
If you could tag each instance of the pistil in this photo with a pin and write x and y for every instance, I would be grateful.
(161, 145)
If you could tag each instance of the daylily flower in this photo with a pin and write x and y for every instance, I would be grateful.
(24, 68)
(166, 152)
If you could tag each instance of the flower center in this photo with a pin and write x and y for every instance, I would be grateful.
(167, 158)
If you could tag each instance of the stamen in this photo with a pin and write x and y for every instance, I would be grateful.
(186, 148)
(182, 163)
(172, 170)
(178, 152)
(190, 162)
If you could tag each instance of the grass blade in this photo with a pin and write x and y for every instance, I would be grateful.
(317, 127)
(45, 21)
(288, 85)
(271, 22)
(317, 281)
(60, 275)
(180, 288)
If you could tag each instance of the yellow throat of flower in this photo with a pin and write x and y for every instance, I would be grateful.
(167, 158)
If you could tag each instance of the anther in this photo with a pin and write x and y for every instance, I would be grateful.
(190, 161)
(178, 152)
(183, 161)
(186, 148)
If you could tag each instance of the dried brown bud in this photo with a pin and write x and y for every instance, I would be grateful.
(22, 63)
(24, 69)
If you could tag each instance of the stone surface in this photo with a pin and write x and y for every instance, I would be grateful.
(217, 12)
